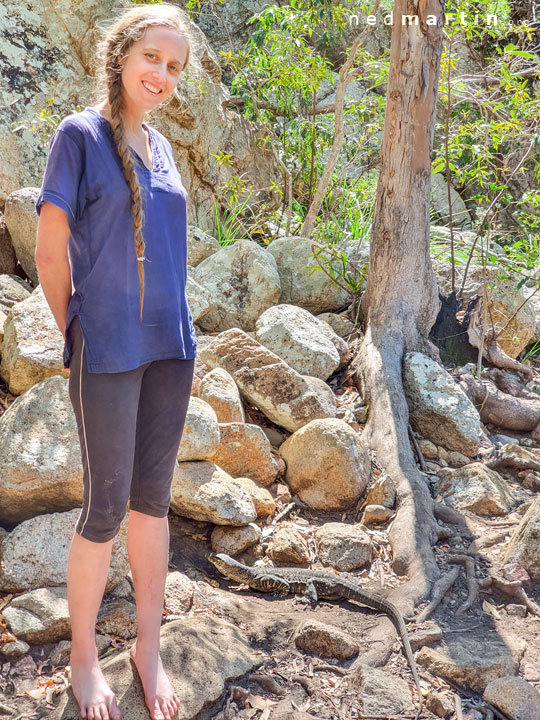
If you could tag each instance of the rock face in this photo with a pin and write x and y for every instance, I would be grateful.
(35, 553)
(40, 455)
(244, 282)
(476, 488)
(32, 346)
(327, 464)
(439, 409)
(311, 290)
(524, 547)
(283, 395)
(304, 342)
(439, 199)
(200, 655)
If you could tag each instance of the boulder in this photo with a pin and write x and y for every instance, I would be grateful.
(218, 389)
(200, 655)
(439, 409)
(243, 281)
(32, 346)
(35, 553)
(244, 449)
(304, 342)
(477, 488)
(39, 616)
(312, 290)
(203, 491)
(286, 398)
(40, 455)
(327, 464)
(201, 436)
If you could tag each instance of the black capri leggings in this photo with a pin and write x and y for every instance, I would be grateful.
(130, 425)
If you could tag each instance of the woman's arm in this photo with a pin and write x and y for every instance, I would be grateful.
(52, 261)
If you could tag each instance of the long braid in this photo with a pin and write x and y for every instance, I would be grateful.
(116, 106)
(117, 41)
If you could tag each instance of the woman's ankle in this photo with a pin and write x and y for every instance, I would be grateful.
(83, 651)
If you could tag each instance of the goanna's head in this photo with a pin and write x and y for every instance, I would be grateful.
(227, 565)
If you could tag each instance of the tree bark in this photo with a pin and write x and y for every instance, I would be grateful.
(400, 304)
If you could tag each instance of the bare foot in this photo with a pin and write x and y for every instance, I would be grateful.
(160, 698)
(96, 699)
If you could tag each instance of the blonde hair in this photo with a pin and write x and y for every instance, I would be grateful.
(117, 39)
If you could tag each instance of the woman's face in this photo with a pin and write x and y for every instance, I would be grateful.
(153, 66)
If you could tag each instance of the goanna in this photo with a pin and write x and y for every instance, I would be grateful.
(314, 584)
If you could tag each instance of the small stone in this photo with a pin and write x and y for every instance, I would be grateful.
(13, 650)
(289, 546)
(427, 448)
(178, 593)
(530, 480)
(527, 442)
(376, 514)
(118, 618)
(426, 634)
(234, 540)
(382, 492)
(514, 571)
(439, 704)
(442, 453)
(457, 459)
(325, 641)
(344, 547)
(519, 610)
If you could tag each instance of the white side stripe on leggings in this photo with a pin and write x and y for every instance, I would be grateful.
(85, 443)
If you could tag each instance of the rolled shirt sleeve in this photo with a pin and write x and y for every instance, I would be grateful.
(62, 179)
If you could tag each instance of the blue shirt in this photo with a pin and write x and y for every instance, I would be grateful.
(84, 177)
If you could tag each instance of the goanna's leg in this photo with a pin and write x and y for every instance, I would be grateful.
(277, 586)
(309, 597)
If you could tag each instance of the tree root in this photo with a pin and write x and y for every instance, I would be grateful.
(440, 589)
(503, 410)
(512, 589)
(472, 583)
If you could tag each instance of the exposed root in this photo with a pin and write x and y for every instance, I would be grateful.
(472, 583)
(512, 589)
(440, 589)
(503, 410)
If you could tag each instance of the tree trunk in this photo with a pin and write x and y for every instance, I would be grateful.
(400, 303)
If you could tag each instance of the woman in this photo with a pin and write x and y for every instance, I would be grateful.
(113, 199)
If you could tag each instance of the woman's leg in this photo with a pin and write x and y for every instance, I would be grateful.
(105, 406)
(148, 548)
(165, 394)
(88, 566)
